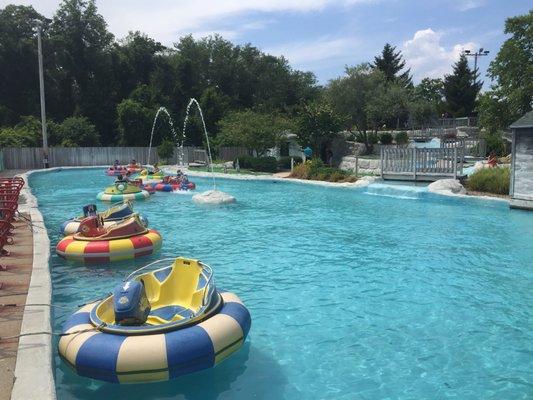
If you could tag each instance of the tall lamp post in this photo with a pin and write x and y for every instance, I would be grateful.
(41, 89)
(481, 52)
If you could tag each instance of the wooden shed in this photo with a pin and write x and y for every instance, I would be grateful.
(521, 189)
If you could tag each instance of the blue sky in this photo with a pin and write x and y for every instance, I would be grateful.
(323, 36)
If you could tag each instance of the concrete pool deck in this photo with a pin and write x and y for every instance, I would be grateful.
(33, 374)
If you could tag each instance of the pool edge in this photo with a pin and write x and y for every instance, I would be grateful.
(34, 364)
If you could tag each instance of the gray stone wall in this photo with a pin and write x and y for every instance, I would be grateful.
(523, 164)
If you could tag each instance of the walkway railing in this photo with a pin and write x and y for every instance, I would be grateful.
(469, 147)
(420, 164)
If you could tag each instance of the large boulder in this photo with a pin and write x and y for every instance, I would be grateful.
(447, 187)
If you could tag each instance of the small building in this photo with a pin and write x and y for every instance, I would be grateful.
(521, 189)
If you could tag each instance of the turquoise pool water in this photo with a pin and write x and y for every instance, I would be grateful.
(385, 292)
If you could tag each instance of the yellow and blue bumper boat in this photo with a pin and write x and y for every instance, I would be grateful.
(122, 190)
(156, 326)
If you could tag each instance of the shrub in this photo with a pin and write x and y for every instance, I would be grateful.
(165, 150)
(385, 138)
(261, 164)
(316, 171)
(244, 162)
(495, 143)
(285, 162)
(78, 132)
(402, 138)
(265, 164)
(490, 180)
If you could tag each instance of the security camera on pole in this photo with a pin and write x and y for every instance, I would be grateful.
(41, 87)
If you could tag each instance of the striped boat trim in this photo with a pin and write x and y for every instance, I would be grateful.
(109, 250)
(156, 357)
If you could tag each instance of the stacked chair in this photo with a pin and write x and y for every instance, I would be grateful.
(9, 196)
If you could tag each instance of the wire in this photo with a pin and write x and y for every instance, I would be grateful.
(32, 305)
(96, 328)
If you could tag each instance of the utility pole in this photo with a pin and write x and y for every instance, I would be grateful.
(481, 52)
(41, 89)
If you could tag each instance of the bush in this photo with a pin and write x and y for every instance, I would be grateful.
(165, 150)
(78, 132)
(285, 162)
(490, 180)
(260, 164)
(495, 143)
(316, 171)
(402, 138)
(385, 138)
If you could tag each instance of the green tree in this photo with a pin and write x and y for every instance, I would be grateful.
(84, 76)
(256, 131)
(391, 63)
(134, 123)
(318, 123)
(461, 89)
(355, 98)
(78, 132)
(165, 150)
(19, 82)
(511, 96)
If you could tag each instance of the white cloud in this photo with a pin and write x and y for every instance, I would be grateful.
(166, 20)
(317, 53)
(466, 5)
(426, 57)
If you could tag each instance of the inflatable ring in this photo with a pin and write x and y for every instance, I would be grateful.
(153, 357)
(102, 251)
(166, 187)
(143, 194)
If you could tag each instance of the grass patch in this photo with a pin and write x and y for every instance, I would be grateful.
(490, 180)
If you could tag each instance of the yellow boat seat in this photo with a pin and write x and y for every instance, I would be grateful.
(177, 296)
(175, 293)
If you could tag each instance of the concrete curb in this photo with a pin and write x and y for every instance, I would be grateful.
(33, 371)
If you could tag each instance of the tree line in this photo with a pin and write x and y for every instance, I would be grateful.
(104, 91)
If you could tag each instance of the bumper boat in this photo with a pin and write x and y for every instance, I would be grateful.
(97, 244)
(122, 190)
(150, 177)
(112, 216)
(134, 168)
(116, 171)
(172, 185)
(156, 326)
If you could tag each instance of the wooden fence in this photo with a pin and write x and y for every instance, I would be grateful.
(32, 157)
(420, 164)
(231, 153)
(429, 133)
(476, 148)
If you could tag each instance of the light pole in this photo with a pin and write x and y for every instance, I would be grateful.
(41, 89)
(477, 54)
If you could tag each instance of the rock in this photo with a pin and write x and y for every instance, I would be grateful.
(447, 187)
(365, 181)
(213, 197)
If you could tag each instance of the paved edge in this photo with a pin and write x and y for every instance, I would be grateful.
(33, 370)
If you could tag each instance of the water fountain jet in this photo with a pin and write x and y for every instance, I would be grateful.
(213, 196)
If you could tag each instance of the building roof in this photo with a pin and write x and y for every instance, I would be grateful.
(525, 122)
